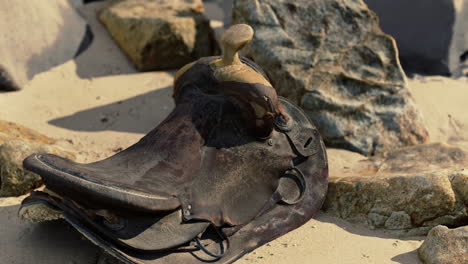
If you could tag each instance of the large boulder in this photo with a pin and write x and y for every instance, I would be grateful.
(16, 143)
(445, 246)
(160, 34)
(36, 35)
(409, 190)
(331, 58)
(431, 42)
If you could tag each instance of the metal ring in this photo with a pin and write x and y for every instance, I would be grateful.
(204, 249)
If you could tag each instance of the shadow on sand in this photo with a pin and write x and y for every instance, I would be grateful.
(102, 57)
(407, 258)
(139, 114)
(48, 242)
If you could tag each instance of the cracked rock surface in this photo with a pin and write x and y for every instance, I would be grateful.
(332, 59)
(408, 191)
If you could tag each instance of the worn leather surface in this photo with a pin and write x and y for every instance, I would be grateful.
(215, 163)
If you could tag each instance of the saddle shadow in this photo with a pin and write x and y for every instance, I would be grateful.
(53, 242)
(360, 229)
(139, 114)
(405, 255)
(408, 258)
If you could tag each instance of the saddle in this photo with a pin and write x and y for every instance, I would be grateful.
(231, 168)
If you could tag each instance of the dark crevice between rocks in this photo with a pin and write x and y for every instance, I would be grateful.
(464, 57)
(86, 42)
(413, 65)
(6, 81)
(279, 17)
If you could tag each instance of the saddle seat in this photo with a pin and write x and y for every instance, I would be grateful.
(96, 186)
(146, 177)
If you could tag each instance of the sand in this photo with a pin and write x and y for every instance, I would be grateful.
(98, 105)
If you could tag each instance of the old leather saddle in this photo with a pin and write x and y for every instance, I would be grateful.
(232, 167)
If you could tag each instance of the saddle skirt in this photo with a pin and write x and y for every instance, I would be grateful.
(232, 167)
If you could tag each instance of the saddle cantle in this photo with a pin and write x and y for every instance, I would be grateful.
(232, 167)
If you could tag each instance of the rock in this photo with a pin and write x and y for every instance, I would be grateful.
(407, 190)
(14, 180)
(398, 220)
(460, 186)
(331, 58)
(426, 45)
(376, 220)
(16, 143)
(160, 34)
(13, 131)
(36, 36)
(445, 246)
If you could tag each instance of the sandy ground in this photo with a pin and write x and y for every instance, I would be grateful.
(100, 106)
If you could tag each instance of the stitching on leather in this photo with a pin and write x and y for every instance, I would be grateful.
(105, 186)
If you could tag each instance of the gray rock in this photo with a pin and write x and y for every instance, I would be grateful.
(331, 58)
(36, 36)
(414, 187)
(375, 220)
(445, 246)
(398, 220)
(160, 34)
(426, 45)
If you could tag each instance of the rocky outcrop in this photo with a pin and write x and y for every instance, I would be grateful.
(332, 59)
(426, 45)
(160, 34)
(16, 143)
(36, 36)
(408, 191)
(445, 246)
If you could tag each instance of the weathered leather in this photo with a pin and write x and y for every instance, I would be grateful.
(233, 162)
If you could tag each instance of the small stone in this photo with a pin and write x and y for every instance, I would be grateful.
(16, 143)
(398, 220)
(376, 220)
(445, 246)
(14, 179)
